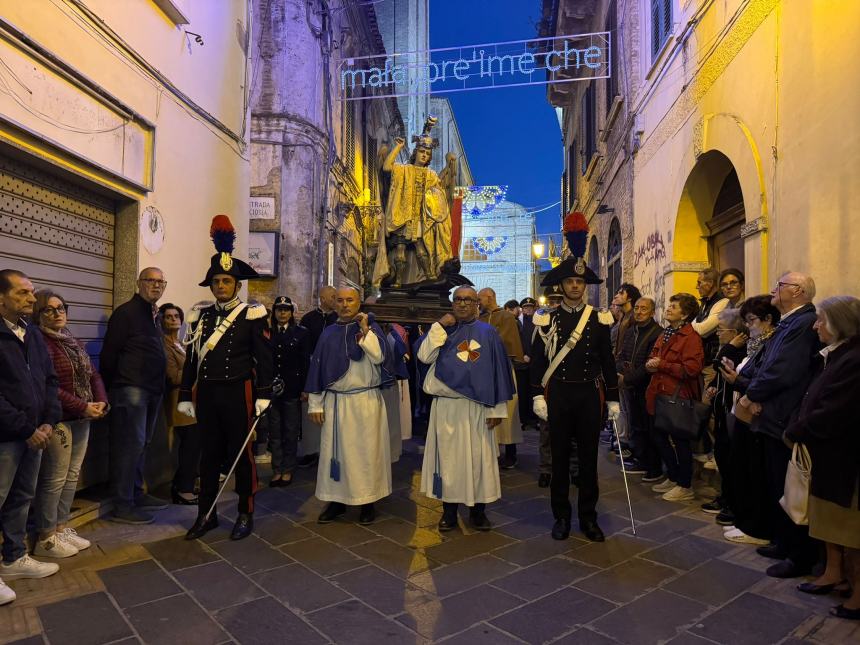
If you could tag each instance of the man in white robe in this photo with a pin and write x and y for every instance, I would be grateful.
(349, 366)
(471, 382)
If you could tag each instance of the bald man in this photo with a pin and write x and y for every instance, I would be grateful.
(509, 432)
(772, 390)
(315, 321)
(351, 363)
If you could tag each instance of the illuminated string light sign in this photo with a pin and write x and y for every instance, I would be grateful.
(541, 61)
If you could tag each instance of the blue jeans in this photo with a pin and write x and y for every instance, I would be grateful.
(58, 477)
(19, 472)
(133, 414)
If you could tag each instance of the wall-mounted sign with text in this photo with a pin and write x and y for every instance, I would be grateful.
(538, 61)
(261, 208)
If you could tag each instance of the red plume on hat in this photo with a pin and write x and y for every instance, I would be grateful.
(576, 233)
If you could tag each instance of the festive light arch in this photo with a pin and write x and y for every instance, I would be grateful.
(482, 200)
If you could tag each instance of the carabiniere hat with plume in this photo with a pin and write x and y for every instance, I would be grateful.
(223, 263)
(576, 234)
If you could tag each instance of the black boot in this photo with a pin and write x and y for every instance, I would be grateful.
(591, 530)
(478, 518)
(368, 515)
(331, 512)
(201, 527)
(561, 529)
(243, 526)
(449, 517)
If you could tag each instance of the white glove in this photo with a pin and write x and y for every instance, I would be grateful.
(614, 410)
(260, 406)
(539, 407)
(186, 408)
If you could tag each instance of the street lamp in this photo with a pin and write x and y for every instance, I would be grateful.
(538, 249)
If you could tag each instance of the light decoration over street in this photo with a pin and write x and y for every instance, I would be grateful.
(490, 245)
(482, 200)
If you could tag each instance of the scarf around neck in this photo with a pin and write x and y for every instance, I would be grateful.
(82, 368)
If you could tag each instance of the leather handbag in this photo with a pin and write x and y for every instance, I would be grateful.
(680, 418)
(795, 498)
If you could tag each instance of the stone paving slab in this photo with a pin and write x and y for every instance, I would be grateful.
(401, 581)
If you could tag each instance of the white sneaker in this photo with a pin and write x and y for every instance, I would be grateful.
(703, 457)
(54, 547)
(664, 486)
(7, 594)
(70, 536)
(27, 567)
(710, 464)
(739, 537)
(679, 494)
(265, 458)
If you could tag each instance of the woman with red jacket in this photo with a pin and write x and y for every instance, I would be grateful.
(83, 398)
(676, 364)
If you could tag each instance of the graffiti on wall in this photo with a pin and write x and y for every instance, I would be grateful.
(649, 263)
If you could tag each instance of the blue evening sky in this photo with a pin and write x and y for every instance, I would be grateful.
(511, 135)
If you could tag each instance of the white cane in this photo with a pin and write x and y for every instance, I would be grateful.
(624, 472)
(236, 461)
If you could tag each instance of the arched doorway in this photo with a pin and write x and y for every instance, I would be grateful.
(613, 260)
(594, 263)
(709, 220)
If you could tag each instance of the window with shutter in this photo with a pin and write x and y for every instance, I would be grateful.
(612, 28)
(571, 175)
(589, 105)
(661, 24)
(613, 260)
(349, 137)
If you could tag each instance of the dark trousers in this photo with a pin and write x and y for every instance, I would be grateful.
(527, 415)
(188, 457)
(640, 435)
(575, 412)
(223, 413)
(134, 412)
(722, 454)
(677, 454)
(792, 539)
(749, 503)
(285, 425)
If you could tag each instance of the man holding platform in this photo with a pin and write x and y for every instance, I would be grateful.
(572, 373)
(352, 361)
(228, 365)
(471, 382)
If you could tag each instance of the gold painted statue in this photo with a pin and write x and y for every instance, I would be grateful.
(415, 231)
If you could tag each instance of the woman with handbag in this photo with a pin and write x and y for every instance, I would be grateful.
(750, 505)
(675, 364)
(829, 426)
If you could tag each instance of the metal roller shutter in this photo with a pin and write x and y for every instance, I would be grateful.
(62, 236)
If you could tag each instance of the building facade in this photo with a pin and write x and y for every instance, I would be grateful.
(450, 142)
(314, 157)
(496, 250)
(742, 138)
(116, 151)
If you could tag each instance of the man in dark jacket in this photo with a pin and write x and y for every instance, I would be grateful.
(28, 409)
(633, 380)
(527, 330)
(774, 394)
(134, 369)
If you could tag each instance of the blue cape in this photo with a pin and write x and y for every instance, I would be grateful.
(399, 351)
(485, 375)
(337, 346)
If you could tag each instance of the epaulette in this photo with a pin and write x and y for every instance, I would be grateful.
(194, 315)
(541, 318)
(605, 316)
(255, 312)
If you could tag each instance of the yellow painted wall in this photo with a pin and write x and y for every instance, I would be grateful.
(198, 171)
(776, 95)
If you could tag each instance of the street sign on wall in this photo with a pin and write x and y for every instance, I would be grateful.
(537, 61)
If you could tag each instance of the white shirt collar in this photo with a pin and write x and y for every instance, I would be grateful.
(17, 328)
(829, 349)
(793, 311)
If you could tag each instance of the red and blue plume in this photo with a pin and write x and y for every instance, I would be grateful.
(223, 234)
(576, 233)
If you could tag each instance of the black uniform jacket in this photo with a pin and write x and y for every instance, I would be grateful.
(590, 360)
(243, 352)
(292, 354)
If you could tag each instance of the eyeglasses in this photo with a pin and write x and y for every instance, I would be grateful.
(788, 284)
(464, 301)
(54, 311)
(154, 282)
(732, 283)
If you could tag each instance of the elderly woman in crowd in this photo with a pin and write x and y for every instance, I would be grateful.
(184, 427)
(732, 286)
(676, 364)
(751, 509)
(732, 333)
(829, 426)
(83, 399)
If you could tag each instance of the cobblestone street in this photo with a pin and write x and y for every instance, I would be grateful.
(400, 581)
